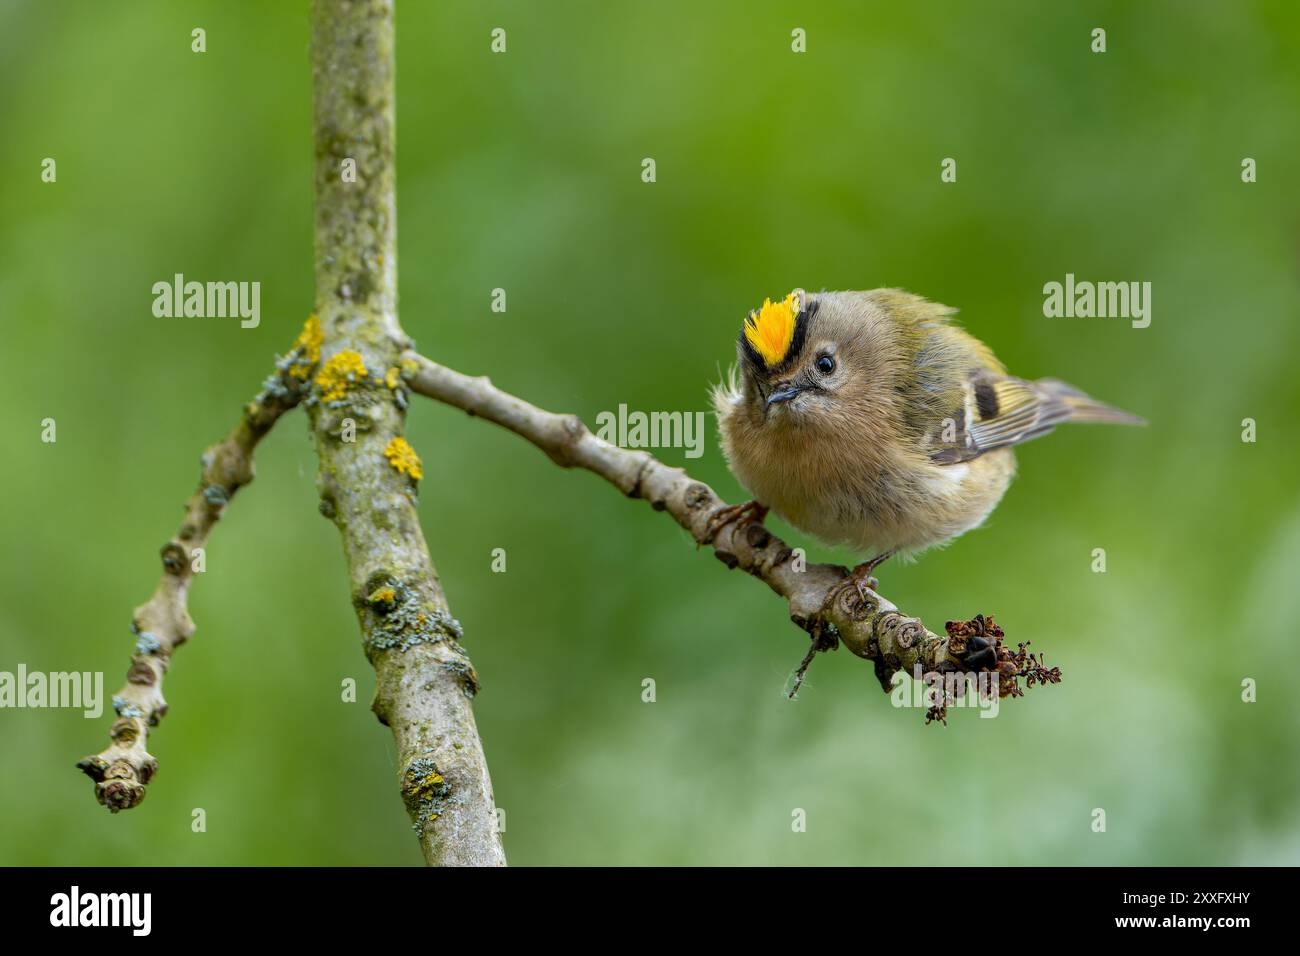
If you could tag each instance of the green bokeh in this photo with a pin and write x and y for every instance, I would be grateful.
(522, 171)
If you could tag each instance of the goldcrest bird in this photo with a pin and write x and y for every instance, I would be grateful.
(868, 419)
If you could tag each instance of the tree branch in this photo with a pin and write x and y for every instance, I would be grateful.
(822, 598)
(162, 623)
(368, 474)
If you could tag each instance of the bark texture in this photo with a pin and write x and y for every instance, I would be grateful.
(368, 473)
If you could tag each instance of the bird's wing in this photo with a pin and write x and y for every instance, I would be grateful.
(998, 411)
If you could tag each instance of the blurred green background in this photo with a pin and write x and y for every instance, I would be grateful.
(775, 170)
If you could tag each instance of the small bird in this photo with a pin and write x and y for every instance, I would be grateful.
(869, 419)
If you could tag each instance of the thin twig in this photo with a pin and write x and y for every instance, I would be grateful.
(161, 624)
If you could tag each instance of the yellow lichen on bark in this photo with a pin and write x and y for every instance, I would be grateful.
(339, 373)
(403, 458)
(307, 345)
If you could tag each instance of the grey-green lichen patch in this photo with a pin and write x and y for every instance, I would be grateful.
(400, 619)
(272, 387)
(277, 385)
(216, 495)
(464, 672)
(147, 643)
(126, 709)
(292, 370)
(424, 791)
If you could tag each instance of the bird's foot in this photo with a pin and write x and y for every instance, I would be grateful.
(859, 579)
(824, 637)
(749, 512)
(862, 576)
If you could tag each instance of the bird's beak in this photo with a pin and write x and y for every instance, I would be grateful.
(783, 393)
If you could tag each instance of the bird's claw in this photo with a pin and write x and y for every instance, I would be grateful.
(750, 511)
(864, 584)
(863, 578)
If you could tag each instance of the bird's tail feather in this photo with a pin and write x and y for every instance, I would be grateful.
(1085, 408)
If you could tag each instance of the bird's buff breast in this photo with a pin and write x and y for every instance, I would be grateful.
(899, 505)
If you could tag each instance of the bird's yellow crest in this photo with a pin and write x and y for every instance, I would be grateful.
(770, 330)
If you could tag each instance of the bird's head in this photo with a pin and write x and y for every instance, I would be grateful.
(818, 360)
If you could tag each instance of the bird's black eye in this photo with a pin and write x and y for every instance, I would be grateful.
(825, 364)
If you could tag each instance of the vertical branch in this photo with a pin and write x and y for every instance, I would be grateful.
(369, 474)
